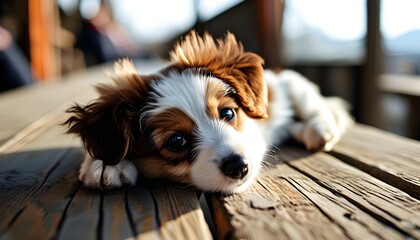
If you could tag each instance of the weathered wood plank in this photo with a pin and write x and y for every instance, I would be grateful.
(393, 159)
(82, 216)
(40, 135)
(262, 213)
(115, 221)
(386, 203)
(39, 101)
(142, 210)
(26, 172)
(42, 214)
(178, 213)
(285, 204)
(354, 223)
(21, 179)
(39, 163)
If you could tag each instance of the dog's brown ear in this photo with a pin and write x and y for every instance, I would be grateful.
(246, 76)
(106, 124)
(226, 59)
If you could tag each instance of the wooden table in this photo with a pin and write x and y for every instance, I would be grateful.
(368, 187)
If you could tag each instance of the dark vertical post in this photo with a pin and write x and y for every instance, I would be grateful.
(269, 17)
(369, 92)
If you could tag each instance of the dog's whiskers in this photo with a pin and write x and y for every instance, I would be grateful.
(266, 165)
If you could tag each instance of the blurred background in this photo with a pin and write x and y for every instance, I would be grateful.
(365, 51)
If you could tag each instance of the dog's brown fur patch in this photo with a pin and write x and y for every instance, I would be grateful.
(227, 60)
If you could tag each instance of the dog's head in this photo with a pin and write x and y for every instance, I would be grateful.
(193, 122)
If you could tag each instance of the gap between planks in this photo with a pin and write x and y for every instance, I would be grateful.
(380, 200)
(386, 156)
(385, 176)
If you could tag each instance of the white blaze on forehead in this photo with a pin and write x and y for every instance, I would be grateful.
(185, 91)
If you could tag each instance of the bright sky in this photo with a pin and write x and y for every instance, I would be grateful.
(210, 8)
(338, 19)
(399, 17)
(154, 20)
(159, 20)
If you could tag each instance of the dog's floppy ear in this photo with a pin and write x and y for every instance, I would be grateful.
(227, 60)
(105, 125)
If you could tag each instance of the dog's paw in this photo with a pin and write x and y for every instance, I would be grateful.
(320, 135)
(95, 174)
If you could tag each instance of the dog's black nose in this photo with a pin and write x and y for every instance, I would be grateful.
(234, 167)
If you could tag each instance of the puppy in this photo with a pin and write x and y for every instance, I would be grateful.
(206, 120)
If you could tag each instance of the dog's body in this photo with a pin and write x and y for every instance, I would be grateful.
(206, 120)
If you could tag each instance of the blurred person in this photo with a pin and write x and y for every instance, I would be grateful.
(15, 69)
(103, 40)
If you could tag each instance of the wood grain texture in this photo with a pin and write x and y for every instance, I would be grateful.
(115, 221)
(384, 202)
(47, 200)
(285, 204)
(39, 135)
(20, 180)
(142, 209)
(24, 107)
(82, 217)
(26, 173)
(42, 213)
(284, 215)
(38, 177)
(388, 157)
(177, 212)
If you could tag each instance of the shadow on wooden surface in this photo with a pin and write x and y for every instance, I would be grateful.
(42, 197)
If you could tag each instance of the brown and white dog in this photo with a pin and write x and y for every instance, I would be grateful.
(206, 120)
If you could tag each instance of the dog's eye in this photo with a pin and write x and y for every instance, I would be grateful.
(176, 143)
(227, 114)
